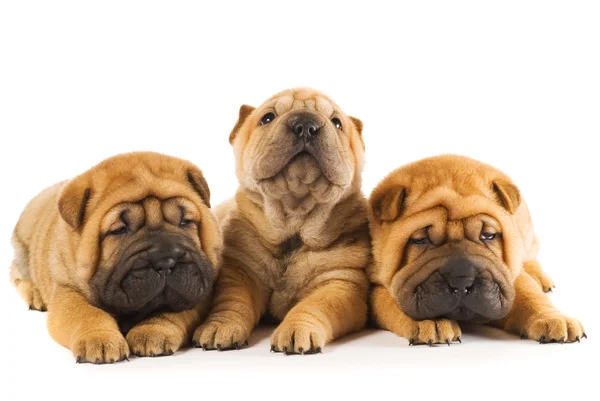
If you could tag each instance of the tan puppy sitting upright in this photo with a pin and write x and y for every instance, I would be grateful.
(453, 241)
(129, 243)
(296, 234)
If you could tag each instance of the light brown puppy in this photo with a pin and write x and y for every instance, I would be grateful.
(453, 241)
(296, 234)
(129, 243)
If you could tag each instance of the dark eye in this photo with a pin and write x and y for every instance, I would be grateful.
(267, 118)
(118, 231)
(336, 121)
(489, 236)
(420, 241)
(186, 222)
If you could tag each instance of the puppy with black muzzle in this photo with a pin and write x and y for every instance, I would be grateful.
(453, 241)
(128, 247)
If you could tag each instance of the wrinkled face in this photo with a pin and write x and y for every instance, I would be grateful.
(151, 258)
(455, 270)
(300, 145)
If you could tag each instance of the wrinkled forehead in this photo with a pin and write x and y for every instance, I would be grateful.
(455, 205)
(305, 99)
(152, 207)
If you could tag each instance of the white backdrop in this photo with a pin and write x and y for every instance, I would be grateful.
(513, 83)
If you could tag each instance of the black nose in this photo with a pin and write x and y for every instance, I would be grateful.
(305, 127)
(164, 257)
(460, 275)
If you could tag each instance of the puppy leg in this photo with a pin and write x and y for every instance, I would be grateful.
(534, 269)
(240, 301)
(328, 312)
(165, 333)
(21, 278)
(29, 293)
(90, 333)
(387, 314)
(533, 316)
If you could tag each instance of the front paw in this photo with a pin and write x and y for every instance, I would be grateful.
(220, 336)
(439, 331)
(553, 327)
(293, 338)
(154, 339)
(98, 347)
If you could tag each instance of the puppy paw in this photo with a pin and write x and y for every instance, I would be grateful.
(554, 327)
(543, 280)
(439, 331)
(220, 336)
(154, 340)
(293, 338)
(100, 347)
(30, 295)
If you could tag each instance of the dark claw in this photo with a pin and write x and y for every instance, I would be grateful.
(584, 335)
(285, 349)
(562, 340)
(459, 340)
(549, 290)
(411, 342)
(577, 339)
(272, 348)
(204, 347)
(542, 339)
(319, 350)
(195, 344)
(245, 343)
(448, 342)
(430, 343)
(236, 345)
(301, 350)
(78, 360)
(219, 347)
(126, 358)
(523, 336)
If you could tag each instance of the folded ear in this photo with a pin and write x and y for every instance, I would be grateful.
(245, 111)
(197, 181)
(388, 205)
(508, 194)
(73, 200)
(358, 124)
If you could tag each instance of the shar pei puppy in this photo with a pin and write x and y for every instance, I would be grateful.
(296, 241)
(453, 242)
(129, 247)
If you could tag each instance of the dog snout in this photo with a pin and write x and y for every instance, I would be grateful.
(305, 125)
(460, 275)
(164, 257)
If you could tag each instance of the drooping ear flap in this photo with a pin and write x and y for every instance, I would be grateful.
(508, 194)
(387, 206)
(73, 200)
(245, 111)
(358, 124)
(197, 181)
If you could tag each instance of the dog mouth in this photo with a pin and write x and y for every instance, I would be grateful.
(140, 286)
(459, 290)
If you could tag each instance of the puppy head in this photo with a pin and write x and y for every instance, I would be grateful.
(445, 239)
(147, 238)
(298, 144)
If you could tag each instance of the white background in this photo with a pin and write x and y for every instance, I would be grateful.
(516, 84)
